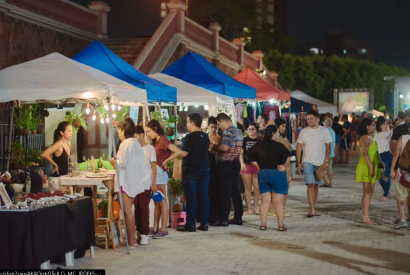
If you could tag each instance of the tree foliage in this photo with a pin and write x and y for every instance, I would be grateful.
(239, 19)
(318, 75)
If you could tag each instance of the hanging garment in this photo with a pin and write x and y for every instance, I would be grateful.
(272, 111)
(239, 108)
(250, 113)
(245, 111)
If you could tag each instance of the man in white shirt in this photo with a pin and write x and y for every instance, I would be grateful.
(142, 200)
(316, 141)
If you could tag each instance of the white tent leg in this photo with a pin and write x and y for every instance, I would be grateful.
(111, 135)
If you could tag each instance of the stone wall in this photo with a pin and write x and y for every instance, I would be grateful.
(21, 41)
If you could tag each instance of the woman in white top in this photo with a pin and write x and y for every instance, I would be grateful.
(383, 138)
(130, 162)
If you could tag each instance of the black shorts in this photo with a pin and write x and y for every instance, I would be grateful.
(345, 144)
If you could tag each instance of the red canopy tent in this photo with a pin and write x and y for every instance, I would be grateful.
(264, 90)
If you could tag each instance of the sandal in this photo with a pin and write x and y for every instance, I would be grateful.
(262, 228)
(256, 212)
(271, 215)
(282, 228)
(309, 215)
(367, 220)
(316, 214)
(287, 215)
(249, 212)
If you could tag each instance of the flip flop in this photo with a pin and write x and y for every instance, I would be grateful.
(287, 215)
(309, 215)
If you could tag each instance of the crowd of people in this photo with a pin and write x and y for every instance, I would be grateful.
(214, 161)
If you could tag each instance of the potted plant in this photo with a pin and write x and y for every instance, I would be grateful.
(19, 120)
(36, 120)
(103, 207)
(77, 120)
(176, 191)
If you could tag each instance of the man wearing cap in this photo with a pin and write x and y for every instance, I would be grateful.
(398, 142)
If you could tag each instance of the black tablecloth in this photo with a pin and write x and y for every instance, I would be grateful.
(28, 239)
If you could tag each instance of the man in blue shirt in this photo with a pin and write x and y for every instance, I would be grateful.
(328, 124)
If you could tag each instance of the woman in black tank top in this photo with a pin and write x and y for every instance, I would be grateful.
(57, 154)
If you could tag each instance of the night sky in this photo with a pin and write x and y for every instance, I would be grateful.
(383, 23)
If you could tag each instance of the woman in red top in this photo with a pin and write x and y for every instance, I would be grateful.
(166, 151)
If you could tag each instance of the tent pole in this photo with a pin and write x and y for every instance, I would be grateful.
(10, 136)
(176, 123)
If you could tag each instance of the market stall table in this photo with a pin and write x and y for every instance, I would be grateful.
(76, 182)
(28, 239)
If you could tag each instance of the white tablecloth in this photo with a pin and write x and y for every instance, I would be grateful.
(81, 181)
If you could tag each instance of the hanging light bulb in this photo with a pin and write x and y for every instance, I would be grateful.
(119, 108)
(113, 106)
(107, 119)
(94, 116)
(114, 115)
(106, 106)
(102, 120)
(87, 111)
(271, 101)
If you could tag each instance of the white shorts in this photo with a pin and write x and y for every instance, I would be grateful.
(162, 176)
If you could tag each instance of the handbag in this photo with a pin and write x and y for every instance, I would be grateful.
(177, 170)
(321, 171)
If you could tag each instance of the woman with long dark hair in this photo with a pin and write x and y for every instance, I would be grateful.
(271, 158)
(57, 154)
(166, 151)
(367, 170)
(249, 173)
(383, 139)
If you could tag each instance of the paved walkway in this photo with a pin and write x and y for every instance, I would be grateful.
(335, 243)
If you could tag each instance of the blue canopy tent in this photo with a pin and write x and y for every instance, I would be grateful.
(195, 69)
(100, 57)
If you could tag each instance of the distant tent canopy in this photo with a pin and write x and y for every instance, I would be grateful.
(100, 57)
(195, 69)
(323, 107)
(264, 90)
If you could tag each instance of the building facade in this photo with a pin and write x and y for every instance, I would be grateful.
(336, 43)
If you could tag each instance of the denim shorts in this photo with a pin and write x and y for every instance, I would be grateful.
(309, 172)
(272, 180)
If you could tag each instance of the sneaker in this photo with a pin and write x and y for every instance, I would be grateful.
(401, 224)
(161, 235)
(152, 232)
(383, 199)
(144, 240)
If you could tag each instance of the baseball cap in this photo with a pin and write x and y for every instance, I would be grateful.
(158, 196)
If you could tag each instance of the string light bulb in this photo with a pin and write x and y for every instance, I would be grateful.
(106, 106)
(107, 119)
(113, 107)
(87, 111)
(102, 120)
(114, 115)
(119, 108)
(94, 117)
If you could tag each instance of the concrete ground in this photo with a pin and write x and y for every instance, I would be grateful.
(334, 243)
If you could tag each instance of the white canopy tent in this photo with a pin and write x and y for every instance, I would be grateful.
(191, 95)
(55, 77)
(323, 107)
